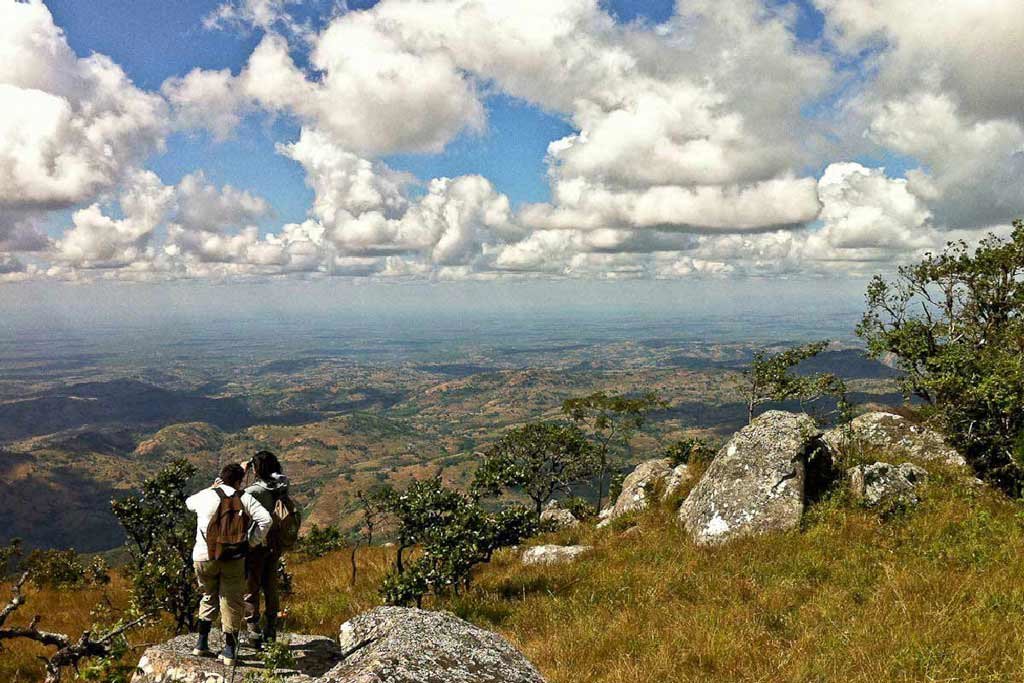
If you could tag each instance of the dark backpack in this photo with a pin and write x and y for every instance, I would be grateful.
(227, 535)
(284, 532)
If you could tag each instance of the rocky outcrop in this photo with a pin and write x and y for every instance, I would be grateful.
(385, 645)
(555, 516)
(554, 554)
(639, 487)
(405, 645)
(886, 486)
(894, 437)
(756, 482)
(173, 661)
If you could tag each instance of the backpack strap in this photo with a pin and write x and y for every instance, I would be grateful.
(220, 493)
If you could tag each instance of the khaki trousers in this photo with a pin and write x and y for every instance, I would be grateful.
(261, 577)
(222, 583)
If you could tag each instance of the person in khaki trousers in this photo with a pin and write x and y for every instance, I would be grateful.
(222, 582)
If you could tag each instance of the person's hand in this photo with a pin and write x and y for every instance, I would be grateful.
(216, 482)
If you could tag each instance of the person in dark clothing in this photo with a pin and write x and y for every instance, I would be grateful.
(262, 561)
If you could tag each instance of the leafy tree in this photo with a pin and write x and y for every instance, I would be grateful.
(611, 420)
(453, 532)
(770, 378)
(954, 325)
(160, 535)
(65, 569)
(541, 458)
(687, 450)
(320, 540)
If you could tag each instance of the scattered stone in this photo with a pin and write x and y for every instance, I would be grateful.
(173, 661)
(894, 435)
(883, 485)
(558, 517)
(406, 645)
(755, 484)
(640, 485)
(554, 554)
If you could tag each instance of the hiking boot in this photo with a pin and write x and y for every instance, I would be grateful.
(202, 648)
(270, 630)
(254, 639)
(230, 653)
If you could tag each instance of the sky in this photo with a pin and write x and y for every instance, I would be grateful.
(315, 149)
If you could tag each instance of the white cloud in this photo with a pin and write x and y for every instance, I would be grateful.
(69, 127)
(210, 100)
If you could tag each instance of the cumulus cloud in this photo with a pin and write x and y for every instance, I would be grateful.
(211, 100)
(69, 127)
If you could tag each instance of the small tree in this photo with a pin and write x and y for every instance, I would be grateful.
(69, 652)
(161, 533)
(454, 534)
(540, 458)
(611, 420)
(374, 513)
(770, 378)
(955, 325)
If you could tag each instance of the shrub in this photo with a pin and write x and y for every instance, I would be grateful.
(161, 533)
(580, 508)
(687, 450)
(955, 325)
(770, 378)
(65, 569)
(319, 541)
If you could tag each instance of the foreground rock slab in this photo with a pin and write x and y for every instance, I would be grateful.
(554, 554)
(883, 485)
(173, 662)
(755, 484)
(894, 437)
(638, 488)
(405, 645)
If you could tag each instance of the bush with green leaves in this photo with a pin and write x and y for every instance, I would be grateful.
(770, 378)
(954, 323)
(580, 508)
(610, 421)
(452, 532)
(540, 459)
(688, 450)
(160, 535)
(277, 659)
(320, 540)
(65, 569)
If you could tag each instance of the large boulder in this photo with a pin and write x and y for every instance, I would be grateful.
(405, 645)
(173, 661)
(755, 484)
(887, 486)
(554, 554)
(639, 486)
(895, 437)
(557, 517)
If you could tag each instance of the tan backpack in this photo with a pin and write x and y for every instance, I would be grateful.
(284, 532)
(227, 535)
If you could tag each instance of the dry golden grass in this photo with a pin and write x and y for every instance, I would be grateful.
(935, 594)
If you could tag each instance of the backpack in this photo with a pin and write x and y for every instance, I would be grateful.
(284, 532)
(227, 535)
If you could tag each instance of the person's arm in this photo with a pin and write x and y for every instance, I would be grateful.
(261, 519)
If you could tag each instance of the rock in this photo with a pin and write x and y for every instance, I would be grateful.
(883, 485)
(755, 484)
(554, 554)
(896, 436)
(641, 483)
(173, 661)
(406, 645)
(558, 517)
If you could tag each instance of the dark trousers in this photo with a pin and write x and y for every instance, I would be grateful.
(261, 577)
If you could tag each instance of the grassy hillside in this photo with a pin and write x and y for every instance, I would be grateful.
(931, 594)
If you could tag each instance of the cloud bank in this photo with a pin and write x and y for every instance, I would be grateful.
(715, 144)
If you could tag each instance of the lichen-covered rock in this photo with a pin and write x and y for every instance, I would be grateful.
(895, 436)
(173, 662)
(554, 554)
(755, 484)
(406, 645)
(638, 487)
(883, 485)
(557, 517)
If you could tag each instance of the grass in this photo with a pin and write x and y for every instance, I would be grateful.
(932, 594)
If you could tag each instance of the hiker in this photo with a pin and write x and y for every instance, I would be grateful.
(229, 521)
(271, 490)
